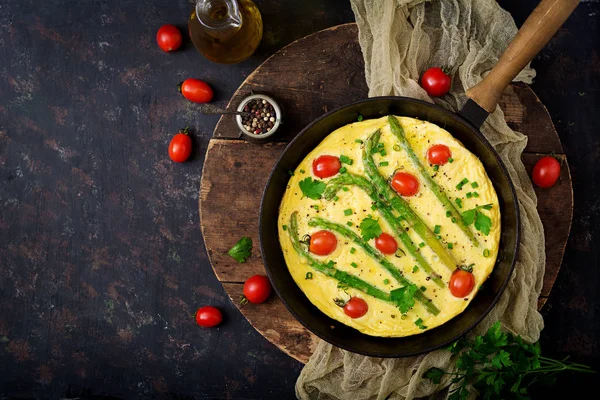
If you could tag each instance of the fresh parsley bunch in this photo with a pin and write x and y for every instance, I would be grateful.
(500, 366)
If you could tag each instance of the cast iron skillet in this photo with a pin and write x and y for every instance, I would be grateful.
(532, 36)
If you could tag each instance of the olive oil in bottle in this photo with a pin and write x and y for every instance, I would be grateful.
(226, 31)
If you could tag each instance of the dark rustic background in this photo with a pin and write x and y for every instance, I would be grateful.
(102, 263)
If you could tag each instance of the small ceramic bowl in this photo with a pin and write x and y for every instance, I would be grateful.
(238, 118)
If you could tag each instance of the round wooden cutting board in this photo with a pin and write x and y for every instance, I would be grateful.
(309, 77)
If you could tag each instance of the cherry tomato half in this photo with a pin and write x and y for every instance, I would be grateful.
(461, 283)
(195, 90)
(168, 38)
(546, 172)
(386, 244)
(405, 184)
(180, 147)
(326, 166)
(356, 307)
(438, 154)
(435, 82)
(208, 316)
(257, 289)
(322, 243)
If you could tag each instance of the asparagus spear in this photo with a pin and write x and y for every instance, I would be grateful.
(401, 206)
(336, 184)
(344, 277)
(349, 234)
(439, 193)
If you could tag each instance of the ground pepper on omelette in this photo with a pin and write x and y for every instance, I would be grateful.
(390, 226)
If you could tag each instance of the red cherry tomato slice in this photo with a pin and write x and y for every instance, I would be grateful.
(180, 147)
(326, 166)
(195, 90)
(168, 38)
(405, 184)
(435, 82)
(257, 289)
(322, 243)
(386, 244)
(208, 316)
(461, 283)
(438, 154)
(356, 307)
(546, 172)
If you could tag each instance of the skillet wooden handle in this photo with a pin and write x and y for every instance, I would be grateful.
(537, 30)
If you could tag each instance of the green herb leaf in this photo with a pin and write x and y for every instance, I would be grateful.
(404, 297)
(483, 223)
(434, 374)
(469, 216)
(312, 188)
(241, 250)
(370, 229)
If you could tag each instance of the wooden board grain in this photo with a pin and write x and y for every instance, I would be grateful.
(309, 77)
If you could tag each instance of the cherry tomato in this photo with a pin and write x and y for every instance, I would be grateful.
(546, 172)
(168, 38)
(435, 82)
(461, 283)
(195, 90)
(208, 316)
(405, 184)
(356, 307)
(322, 243)
(257, 289)
(326, 166)
(438, 154)
(180, 147)
(386, 244)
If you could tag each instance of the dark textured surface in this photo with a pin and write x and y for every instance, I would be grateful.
(101, 259)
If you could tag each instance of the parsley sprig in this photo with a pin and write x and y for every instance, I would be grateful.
(500, 366)
(312, 188)
(241, 250)
(483, 223)
(404, 297)
(370, 229)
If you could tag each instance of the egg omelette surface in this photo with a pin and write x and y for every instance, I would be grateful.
(408, 299)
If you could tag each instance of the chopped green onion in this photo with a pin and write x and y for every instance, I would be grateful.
(302, 171)
(450, 246)
(423, 288)
(462, 183)
(384, 164)
(284, 227)
(336, 198)
(316, 207)
(486, 207)
(453, 219)
(396, 147)
(360, 118)
(486, 253)
(474, 185)
(439, 237)
(422, 244)
(309, 275)
(469, 195)
(448, 213)
(374, 207)
(475, 194)
(343, 170)
(437, 229)
(458, 202)
(348, 212)
(345, 189)
(349, 223)
(358, 141)
(450, 160)
(352, 250)
(415, 269)
(386, 281)
(436, 167)
(382, 152)
(346, 160)
(291, 172)
(355, 265)
(419, 323)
